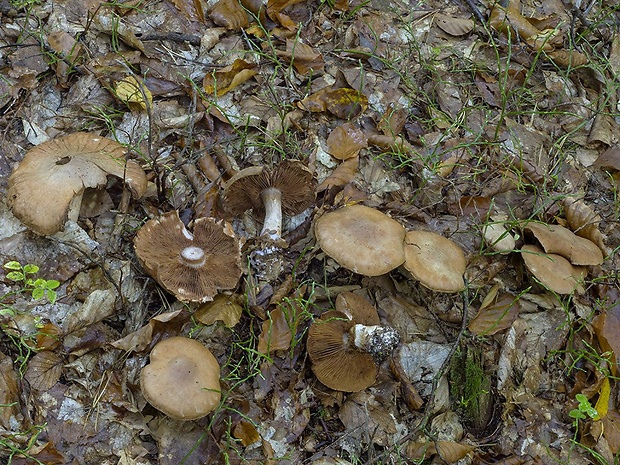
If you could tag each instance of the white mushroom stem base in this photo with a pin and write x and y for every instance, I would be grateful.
(272, 226)
(378, 341)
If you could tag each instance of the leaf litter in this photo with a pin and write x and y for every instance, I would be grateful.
(491, 125)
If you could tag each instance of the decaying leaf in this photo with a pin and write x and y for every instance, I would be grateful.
(229, 14)
(44, 370)
(133, 92)
(451, 452)
(246, 432)
(276, 333)
(275, 11)
(341, 176)
(609, 159)
(226, 79)
(454, 26)
(510, 21)
(9, 393)
(346, 141)
(568, 58)
(304, 58)
(584, 221)
(223, 307)
(496, 316)
(166, 323)
(192, 10)
(606, 329)
(344, 102)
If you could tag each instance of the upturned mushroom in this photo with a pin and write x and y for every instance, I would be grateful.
(346, 345)
(46, 189)
(191, 266)
(436, 261)
(361, 239)
(288, 187)
(182, 379)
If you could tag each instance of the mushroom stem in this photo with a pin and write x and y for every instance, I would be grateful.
(272, 201)
(73, 213)
(379, 341)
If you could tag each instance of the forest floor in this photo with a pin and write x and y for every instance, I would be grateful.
(462, 118)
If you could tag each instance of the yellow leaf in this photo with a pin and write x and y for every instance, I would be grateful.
(133, 92)
(602, 404)
(226, 79)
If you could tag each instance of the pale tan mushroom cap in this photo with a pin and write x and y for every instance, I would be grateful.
(53, 173)
(182, 379)
(361, 239)
(557, 239)
(553, 271)
(159, 245)
(436, 261)
(336, 362)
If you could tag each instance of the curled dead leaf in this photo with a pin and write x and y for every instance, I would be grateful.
(568, 58)
(454, 26)
(346, 141)
(341, 176)
(497, 316)
(303, 57)
(276, 333)
(133, 92)
(229, 14)
(246, 433)
(584, 221)
(344, 102)
(451, 452)
(226, 79)
(223, 307)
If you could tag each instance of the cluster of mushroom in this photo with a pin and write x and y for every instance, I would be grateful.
(368, 242)
(560, 259)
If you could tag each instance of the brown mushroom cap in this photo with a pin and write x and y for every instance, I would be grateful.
(436, 261)
(291, 177)
(336, 362)
(361, 239)
(553, 271)
(51, 174)
(357, 308)
(191, 266)
(557, 239)
(182, 379)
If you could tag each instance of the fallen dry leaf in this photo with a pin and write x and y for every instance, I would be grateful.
(605, 327)
(304, 57)
(229, 14)
(223, 307)
(496, 316)
(341, 176)
(192, 10)
(454, 26)
(345, 103)
(44, 370)
(133, 92)
(346, 141)
(451, 452)
(276, 333)
(584, 221)
(226, 79)
(246, 433)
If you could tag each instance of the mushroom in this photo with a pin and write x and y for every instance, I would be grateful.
(436, 261)
(361, 239)
(191, 266)
(46, 188)
(556, 239)
(182, 379)
(346, 345)
(554, 271)
(288, 188)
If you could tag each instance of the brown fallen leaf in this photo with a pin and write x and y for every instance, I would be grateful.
(193, 10)
(9, 393)
(584, 221)
(341, 176)
(510, 21)
(496, 316)
(454, 26)
(568, 58)
(605, 327)
(226, 79)
(229, 14)
(344, 102)
(275, 12)
(44, 370)
(223, 307)
(346, 141)
(609, 159)
(246, 432)
(303, 57)
(276, 333)
(451, 452)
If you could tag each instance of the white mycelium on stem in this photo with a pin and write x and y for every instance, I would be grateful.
(378, 341)
(193, 256)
